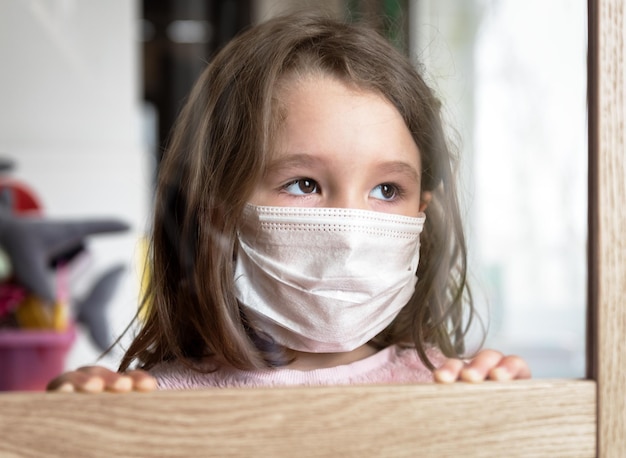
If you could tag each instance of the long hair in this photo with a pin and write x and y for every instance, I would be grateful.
(217, 154)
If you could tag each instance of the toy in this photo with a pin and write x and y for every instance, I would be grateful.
(32, 250)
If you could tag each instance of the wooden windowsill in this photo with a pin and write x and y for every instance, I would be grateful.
(536, 417)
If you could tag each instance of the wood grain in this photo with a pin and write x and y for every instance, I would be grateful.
(610, 195)
(533, 418)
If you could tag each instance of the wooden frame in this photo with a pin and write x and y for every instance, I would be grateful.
(530, 418)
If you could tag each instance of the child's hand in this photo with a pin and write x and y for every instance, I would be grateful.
(487, 365)
(96, 379)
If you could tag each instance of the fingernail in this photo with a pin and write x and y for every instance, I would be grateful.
(123, 383)
(500, 374)
(66, 388)
(443, 376)
(146, 384)
(93, 385)
(470, 375)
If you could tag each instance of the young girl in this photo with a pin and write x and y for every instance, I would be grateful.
(306, 228)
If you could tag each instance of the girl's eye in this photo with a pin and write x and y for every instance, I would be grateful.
(385, 191)
(302, 187)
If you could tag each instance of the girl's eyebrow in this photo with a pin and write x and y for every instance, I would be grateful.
(297, 160)
(303, 160)
(400, 168)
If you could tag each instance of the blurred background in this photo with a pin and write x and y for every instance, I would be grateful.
(89, 90)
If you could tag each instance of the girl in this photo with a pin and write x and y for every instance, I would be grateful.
(306, 228)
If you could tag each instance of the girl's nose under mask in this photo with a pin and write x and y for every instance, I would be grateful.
(325, 280)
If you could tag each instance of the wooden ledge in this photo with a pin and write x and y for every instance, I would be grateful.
(524, 418)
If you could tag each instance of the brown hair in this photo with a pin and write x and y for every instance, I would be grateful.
(217, 155)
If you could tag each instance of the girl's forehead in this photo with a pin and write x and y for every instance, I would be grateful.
(324, 115)
(291, 86)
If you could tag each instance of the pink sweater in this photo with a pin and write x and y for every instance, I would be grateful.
(391, 365)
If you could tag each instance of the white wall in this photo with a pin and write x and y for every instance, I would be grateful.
(70, 120)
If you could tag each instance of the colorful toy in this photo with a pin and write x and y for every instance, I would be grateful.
(35, 253)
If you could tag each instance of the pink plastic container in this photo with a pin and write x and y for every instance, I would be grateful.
(30, 359)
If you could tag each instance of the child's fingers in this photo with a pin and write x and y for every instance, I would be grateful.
(135, 380)
(112, 381)
(61, 384)
(95, 379)
(478, 369)
(77, 381)
(142, 380)
(449, 371)
(487, 365)
(510, 368)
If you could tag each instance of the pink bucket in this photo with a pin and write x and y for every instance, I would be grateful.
(30, 359)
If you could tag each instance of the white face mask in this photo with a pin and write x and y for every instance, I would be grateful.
(325, 280)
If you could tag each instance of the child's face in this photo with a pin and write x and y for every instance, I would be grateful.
(338, 147)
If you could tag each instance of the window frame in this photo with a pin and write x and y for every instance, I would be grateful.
(535, 417)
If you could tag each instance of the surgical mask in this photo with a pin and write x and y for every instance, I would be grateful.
(325, 280)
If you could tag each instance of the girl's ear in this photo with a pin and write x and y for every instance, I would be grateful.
(425, 199)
